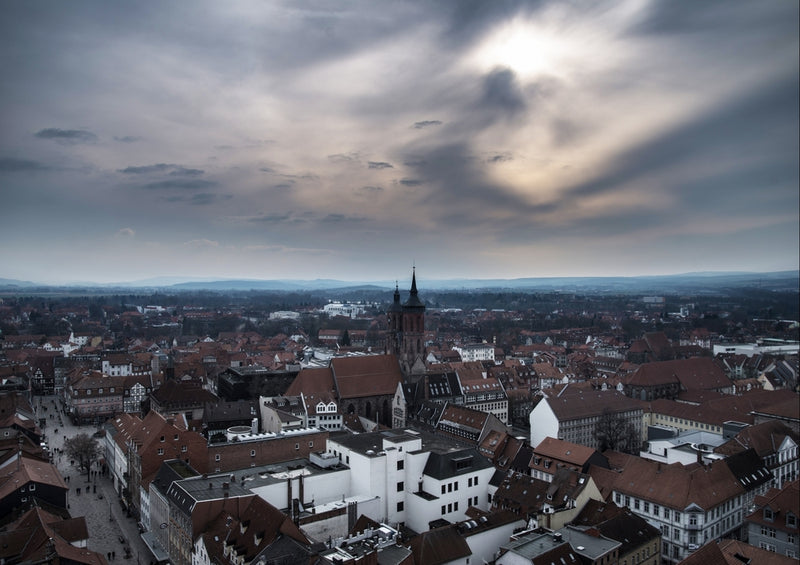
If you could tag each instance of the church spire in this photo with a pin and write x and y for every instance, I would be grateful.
(413, 299)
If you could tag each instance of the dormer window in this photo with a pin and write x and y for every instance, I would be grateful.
(768, 515)
(791, 520)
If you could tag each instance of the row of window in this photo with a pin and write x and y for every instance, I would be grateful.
(451, 507)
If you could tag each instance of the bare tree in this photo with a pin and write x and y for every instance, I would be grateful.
(614, 431)
(83, 448)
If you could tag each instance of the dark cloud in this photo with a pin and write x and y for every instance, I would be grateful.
(282, 186)
(201, 199)
(458, 188)
(287, 218)
(266, 170)
(147, 169)
(344, 158)
(184, 172)
(713, 21)
(426, 123)
(180, 184)
(380, 165)
(67, 136)
(755, 137)
(11, 165)
(410, 182)
(501, 92)
(127, 139)
(172, 170)
(341, 218)
(500, 158)
(468, 20)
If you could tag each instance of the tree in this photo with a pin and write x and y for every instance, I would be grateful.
(84, 449)
(615, 432)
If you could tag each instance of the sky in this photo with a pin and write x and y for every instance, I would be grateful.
(353, 140)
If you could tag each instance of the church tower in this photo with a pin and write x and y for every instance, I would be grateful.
(406, 335)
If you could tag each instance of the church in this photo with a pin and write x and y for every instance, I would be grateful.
(406, 333)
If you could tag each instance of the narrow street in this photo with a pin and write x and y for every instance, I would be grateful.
(110, 530)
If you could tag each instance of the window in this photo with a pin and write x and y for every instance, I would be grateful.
(469, 482)
(400, 486)
(32, 487)
(647, 507)
(475, 481)
(400, 506)
(162, 439)
(768, 532)
(444, 509)
(252, 453)
(99, 391)
(628, 501)
(161, 451)
(217, 457)
(449, 487)
(666, 513)
(636, 503)
(183, 449)
(791, 520)
(444, 489)
(175, 437)
(297, 447)
(310, 444)
(455, 506)
(455, 485)
(400, 463)
(112, 389)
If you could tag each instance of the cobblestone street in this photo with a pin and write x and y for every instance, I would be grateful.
(110, 530)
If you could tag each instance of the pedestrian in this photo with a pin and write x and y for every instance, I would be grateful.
(113, 555)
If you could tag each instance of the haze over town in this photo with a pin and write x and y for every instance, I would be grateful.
(350, 140)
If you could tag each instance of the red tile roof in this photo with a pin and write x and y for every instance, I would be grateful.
(369, 375)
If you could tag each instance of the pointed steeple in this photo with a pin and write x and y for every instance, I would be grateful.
(413, 299)
(396, 307)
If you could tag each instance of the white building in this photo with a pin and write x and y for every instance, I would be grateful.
(476, 352)
(419, 478)
(343, 309)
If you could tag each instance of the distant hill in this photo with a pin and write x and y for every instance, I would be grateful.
(664, 284)
(10, 283)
